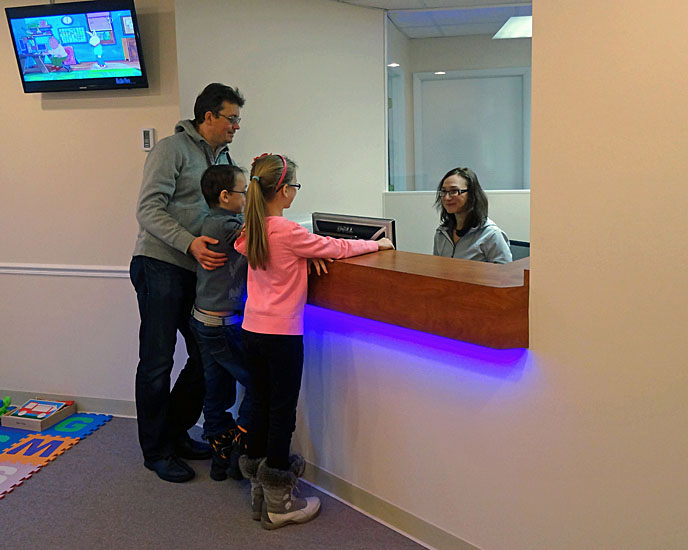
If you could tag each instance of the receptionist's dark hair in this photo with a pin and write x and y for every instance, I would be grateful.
(476, 203)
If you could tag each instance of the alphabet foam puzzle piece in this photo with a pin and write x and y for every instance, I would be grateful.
(10, 436)
(12, 475)
(24, 452)
(37, 449)
(78, 425)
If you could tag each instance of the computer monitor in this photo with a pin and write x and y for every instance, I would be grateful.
(353, 227)
(519, 249)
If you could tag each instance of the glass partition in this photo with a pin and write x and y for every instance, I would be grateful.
(459, 100)
(456, 97)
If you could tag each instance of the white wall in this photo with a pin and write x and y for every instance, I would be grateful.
(313, 75)
(399, 51)
(459, 53)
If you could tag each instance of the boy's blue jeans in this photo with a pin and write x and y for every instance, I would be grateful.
(224, 364)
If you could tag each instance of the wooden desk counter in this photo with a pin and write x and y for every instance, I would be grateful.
(477, 302)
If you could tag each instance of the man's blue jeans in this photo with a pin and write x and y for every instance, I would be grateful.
(165, 294)
(224, 364)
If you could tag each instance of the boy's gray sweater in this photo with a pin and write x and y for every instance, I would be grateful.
(224, 288)
(171, 207)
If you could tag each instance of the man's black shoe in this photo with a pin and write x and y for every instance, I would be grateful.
(191, 449)
(170, 469)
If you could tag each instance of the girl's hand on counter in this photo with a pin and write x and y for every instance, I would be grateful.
(319, 264)
(385, 244)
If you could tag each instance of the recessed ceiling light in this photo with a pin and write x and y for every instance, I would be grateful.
(516, 27)
(440, 72)
(393, 65)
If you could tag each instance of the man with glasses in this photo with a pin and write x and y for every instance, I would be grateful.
(170, 212)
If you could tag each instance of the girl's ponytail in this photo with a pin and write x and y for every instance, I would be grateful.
(269, 173)
(256, 229)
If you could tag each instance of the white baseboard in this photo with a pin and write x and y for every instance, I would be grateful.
(65, 270)
(380, 510)
(115, 407)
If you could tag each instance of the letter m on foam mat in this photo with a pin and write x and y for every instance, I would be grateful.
(37, 449)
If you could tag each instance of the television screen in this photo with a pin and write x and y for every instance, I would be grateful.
(91, 45)
(353, 227)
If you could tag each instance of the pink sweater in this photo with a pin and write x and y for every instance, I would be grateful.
(277, 294)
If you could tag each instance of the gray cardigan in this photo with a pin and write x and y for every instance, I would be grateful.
(171, 207)
(486, 243)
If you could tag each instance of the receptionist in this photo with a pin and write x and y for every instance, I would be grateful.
(465, 231)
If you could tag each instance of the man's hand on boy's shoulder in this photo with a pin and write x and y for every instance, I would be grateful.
(207, 258)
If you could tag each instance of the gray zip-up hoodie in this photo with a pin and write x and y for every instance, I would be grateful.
(486, 243)
(171, 207)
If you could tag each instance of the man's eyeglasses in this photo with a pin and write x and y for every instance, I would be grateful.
(452, 192)
(232, 119)
(240, 192)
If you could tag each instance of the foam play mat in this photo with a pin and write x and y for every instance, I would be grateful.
(24, 452)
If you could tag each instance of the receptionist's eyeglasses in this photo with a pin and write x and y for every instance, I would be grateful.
(452, 192)
(232, 119)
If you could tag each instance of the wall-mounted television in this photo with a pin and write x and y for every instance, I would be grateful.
(91, 45)
(353, 227)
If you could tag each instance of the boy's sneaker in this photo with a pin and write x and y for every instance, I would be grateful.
(190, 449)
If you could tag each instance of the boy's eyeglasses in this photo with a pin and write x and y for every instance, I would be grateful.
(452, 192)
(240, 192)
(232, 119)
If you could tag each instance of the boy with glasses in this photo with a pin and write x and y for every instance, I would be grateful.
(216, 321)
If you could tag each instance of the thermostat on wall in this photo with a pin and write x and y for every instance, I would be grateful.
(147, 138)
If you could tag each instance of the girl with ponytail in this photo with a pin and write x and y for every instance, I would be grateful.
(278, 250)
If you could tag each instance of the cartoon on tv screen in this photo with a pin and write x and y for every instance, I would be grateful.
(76, 46)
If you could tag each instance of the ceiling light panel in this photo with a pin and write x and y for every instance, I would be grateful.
(516, 27)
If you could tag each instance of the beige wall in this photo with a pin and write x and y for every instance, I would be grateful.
(70, 170)
(606, 459)
(578, 443)
(71, 162)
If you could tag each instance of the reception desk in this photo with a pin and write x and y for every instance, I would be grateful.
(476, 302)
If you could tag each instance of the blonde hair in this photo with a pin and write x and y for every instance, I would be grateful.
(267, 171)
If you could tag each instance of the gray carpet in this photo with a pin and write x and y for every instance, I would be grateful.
(99, 495)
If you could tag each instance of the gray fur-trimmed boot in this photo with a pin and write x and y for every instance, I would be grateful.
(280, 506)
(249, 467)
